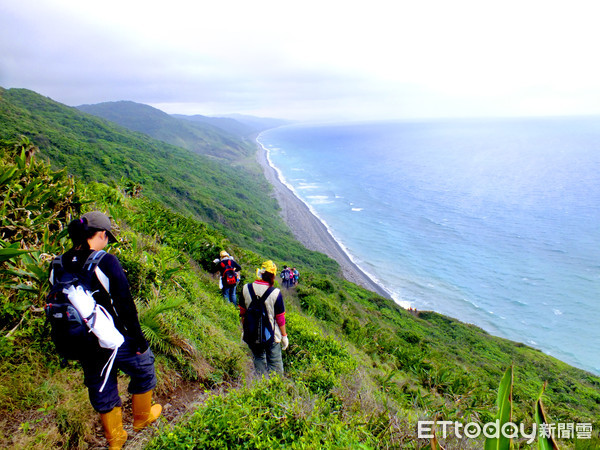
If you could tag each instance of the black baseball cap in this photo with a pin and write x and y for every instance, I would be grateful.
(99, 221)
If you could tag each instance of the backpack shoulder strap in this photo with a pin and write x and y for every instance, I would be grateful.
(262, 297)
(265, 296)
(251, 292)
(91, 266)
(56, 266)
(93, 260)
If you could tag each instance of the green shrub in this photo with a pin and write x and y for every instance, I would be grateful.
(310, 347)
(314, 302)
(274, 413)
(323, 284)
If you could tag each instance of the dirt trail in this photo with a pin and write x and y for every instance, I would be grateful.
(185, 399)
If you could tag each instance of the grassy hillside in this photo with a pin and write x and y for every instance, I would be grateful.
(360, 371)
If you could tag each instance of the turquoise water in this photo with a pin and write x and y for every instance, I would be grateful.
(493, 222)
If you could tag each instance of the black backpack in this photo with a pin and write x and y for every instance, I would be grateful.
(257, 326)
(68, 330)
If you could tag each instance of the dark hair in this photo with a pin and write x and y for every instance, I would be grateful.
(268, 277)
(79, 232)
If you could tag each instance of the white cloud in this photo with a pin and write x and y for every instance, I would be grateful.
(309, 59)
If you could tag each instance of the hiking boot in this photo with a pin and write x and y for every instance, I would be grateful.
(113, 428)
(144, 413)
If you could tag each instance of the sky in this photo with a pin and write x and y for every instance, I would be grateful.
(309, 60)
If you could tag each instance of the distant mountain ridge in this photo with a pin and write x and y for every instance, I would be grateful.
(198, 136)
(239, 124)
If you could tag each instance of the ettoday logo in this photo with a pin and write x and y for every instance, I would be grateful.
(509, 430)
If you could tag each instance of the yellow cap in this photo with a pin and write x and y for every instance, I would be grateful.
(224, 254)
(267, 266)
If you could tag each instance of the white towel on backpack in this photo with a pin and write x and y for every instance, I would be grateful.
(99, 321)
(82, 300)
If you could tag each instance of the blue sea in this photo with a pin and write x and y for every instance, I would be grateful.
(493, 222)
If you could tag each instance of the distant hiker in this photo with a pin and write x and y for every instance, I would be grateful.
(285, 277)
(229, 276)
(90, 234)
(296, 275)
(262, 313)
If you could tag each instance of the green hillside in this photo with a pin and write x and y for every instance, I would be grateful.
(360, 371)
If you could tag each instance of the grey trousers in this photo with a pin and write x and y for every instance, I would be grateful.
(267, 359)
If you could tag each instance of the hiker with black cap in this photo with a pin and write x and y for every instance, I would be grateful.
(262, 313)
(90, 234)
(228, 269)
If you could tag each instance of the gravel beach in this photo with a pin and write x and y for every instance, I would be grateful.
(310, 231)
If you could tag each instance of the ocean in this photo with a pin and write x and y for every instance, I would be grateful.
(495, 222)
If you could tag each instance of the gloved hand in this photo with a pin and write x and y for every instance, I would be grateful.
(216, 260)
(284, 342)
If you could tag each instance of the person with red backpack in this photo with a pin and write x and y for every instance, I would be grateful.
(229, 276)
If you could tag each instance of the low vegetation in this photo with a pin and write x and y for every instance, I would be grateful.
(361, 372)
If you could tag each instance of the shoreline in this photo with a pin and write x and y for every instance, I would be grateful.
(310, 230)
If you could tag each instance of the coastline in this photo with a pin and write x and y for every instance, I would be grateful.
(310, 230)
